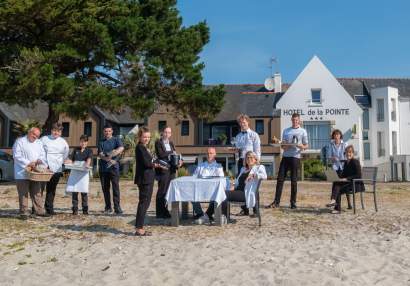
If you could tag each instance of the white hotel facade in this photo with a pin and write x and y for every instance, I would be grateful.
(373, 115)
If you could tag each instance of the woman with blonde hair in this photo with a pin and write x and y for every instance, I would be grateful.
(245, 184)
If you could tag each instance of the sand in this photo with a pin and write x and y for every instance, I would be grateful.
(307, 246)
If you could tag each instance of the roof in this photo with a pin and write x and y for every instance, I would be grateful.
(251, 99)
(39, 112)
(125, 116)
(363, 86)
(17, 113)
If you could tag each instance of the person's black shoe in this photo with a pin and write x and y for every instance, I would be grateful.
(119, 211)
(107, 211)
(243, 212)
(23, 216)
(50, 212)
(42, 215)
(273, 205)
(293, 206)
(85, 212)
(349, 207)
(75, 212)
(197, 216)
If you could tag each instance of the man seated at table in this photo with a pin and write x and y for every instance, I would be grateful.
(209, 168)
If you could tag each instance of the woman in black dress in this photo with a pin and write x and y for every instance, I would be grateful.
(144, 178)
(352, 170)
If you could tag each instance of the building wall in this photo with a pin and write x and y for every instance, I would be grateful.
(337, 107)
(164, 114)
(77, 129)
(404, 138)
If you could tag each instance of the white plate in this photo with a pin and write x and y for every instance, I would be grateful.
(76, 167)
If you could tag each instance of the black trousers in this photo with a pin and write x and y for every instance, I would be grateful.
(107, 179)
(338, 188)
(165, 178)
(233, 196)
(84, 201)
(143, 204)
(288, 164)
(51, 192)
(240, 165)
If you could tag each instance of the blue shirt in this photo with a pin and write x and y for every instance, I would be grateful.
(107, 146)
(337, 151)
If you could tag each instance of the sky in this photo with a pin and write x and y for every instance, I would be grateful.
(360, 38)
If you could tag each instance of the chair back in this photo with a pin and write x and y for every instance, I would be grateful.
(258, 185)
(369, 173)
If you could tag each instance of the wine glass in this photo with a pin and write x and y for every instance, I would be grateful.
(233, 141)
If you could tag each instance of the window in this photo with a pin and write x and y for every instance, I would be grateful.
(318, 134)
(161, 125)
(366, 150)
(185, 128)
(316, 96)
(66, 129)
(380, 110)
(365, 135)
(259, 126)
(393, 109)
(380, 144)
(366, 119)
(394, 142)
(88, 126)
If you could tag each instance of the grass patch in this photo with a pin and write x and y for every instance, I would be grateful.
(17, 245)
(21, 263)
(52, 259)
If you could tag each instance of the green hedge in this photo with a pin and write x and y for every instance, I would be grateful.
(314, 169)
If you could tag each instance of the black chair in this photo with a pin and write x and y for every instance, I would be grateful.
(257, 205)
(369, 175)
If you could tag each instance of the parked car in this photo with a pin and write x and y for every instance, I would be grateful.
(6, 167)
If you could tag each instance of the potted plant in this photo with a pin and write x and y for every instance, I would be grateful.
(354, 131)
(222, 138)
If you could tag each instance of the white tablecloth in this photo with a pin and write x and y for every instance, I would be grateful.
(193, 189)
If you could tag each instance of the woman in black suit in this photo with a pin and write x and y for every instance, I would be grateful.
(144, 178)
(352, 170)
(163, 148)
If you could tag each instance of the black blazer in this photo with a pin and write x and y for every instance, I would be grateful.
(163, 154)
(353, 170)
(144, 172)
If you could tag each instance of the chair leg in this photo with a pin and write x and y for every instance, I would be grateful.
(258, 210)
(354, 201)
(228, 212)
(374, 196)
(361, 200)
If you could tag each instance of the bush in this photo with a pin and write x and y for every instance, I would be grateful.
(314, 169)
(182, 172)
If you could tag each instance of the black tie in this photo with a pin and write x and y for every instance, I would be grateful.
(244, 132)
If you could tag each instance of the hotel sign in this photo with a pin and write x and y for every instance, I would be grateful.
(317, 111)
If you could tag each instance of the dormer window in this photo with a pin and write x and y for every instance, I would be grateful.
(316, 96)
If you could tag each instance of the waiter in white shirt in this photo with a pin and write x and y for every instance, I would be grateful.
(57, 150)
(246, 140)
(28, 151)
(290, 160)
(209, 168)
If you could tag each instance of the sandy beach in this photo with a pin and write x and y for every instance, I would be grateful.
(307, 246)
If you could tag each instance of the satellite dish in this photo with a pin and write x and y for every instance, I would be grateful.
(269, 83)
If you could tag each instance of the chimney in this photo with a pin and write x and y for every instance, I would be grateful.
(277, 78)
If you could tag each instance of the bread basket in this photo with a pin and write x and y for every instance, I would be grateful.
(37, 176)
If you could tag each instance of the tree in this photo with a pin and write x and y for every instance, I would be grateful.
(74, 54)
